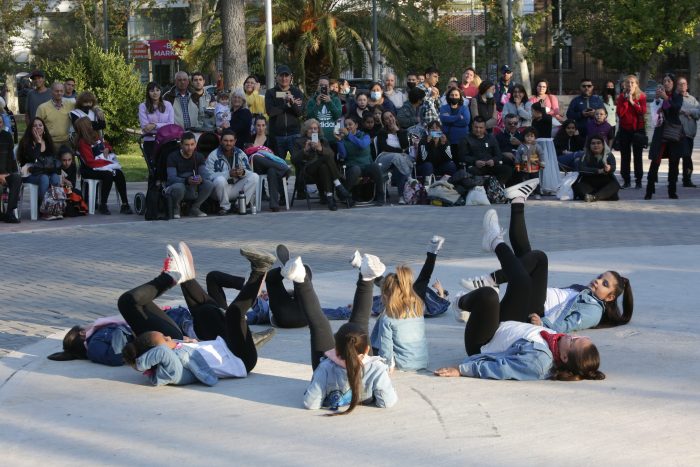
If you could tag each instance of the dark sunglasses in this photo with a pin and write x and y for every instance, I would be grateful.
(586, 85)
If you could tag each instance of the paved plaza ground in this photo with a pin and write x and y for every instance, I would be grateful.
(645, 412)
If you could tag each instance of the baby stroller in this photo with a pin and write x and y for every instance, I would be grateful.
(154, 204)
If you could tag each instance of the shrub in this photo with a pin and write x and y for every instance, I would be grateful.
(115, 82)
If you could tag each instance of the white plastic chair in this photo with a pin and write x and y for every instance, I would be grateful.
(33, 201)
(262, 181)
(92, 185)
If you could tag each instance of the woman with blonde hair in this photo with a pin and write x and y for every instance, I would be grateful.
(631, 132)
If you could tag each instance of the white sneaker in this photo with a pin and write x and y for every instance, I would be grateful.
(435, 244)
(294, 270)
(173, 265)
(478, 282)
(460, 315)
(491, 230)
(176, 216)
(187, 260)
(401, 200)
(523, 189)
(356, 260)
(371, 267)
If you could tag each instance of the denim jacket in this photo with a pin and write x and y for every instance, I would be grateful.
(330, 378)
(105, 345)
(524, 360)
(179, 366)
(401, 342)
(583, 312)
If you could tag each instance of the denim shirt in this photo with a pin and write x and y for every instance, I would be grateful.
(106, 344)
(401, 342)
(179, 366)
(523, 360)
(583, 312)
(330, 378)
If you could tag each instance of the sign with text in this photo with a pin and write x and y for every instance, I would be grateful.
(161, 49)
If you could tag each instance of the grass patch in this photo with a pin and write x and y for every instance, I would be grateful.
(133, 165)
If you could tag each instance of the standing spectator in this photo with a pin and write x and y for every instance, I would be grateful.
(8, 175)
(353, 148)
(411, 82)
(346, 94)
(582, 107)
(36, 155)
(24, 88)
(241, 118)
(256, 102)
(609, 98)
(480, 153)
(154, 113)
(455, 117)
(56, 114)
(504, 87)
(631, 134)
(378, 99)
(548, 101)
(600, 126)
(541, 120)
(230, 173)
(669, 103)
(324, 106)
(283, 104)
(408, 115)
(484, 105)
(5, 121)
(396, 97)
(430, 109)
(37, 96)
(470, 83)
(86, 106)
(185, 110)
(519, 105)
(188, 177)
(690, 113)
(204, 101)
(70, 93)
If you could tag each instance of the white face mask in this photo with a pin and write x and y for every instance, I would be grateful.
(375, 95)
(489, 95)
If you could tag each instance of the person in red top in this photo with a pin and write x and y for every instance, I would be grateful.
(97, 161)
(470, 83)
(631, 108)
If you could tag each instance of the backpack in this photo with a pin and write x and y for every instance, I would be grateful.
(495, 192)
(442, 193)
(414, 192)
(75, 204)
(158, 205)
(54, 202)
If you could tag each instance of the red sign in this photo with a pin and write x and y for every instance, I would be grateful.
(163, 49)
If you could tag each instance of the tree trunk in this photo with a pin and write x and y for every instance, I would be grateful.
(234, 43)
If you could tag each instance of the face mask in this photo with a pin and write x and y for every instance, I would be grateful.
(410, 85)
(453, 100)
(375, 95)
(489, 95)
(85, 108)
(345, 91)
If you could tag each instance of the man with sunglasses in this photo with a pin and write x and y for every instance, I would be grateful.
(510, 139)
(583, 107)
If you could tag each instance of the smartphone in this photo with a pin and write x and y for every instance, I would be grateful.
(435, 134)
(324, 90)
(281, 95)
(195, 178)
(314, 137)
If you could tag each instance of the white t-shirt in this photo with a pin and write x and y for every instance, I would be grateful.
(393, 141)
(220, 359)
(510, 331)
(556, 301)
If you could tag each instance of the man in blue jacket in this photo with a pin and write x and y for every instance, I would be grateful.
(583, 106)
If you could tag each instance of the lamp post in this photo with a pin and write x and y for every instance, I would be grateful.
(375, 43)
(269, 51)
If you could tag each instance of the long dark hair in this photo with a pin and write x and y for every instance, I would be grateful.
(351, 341)
(521, 88)
(25, 144)
(579, 366)
(139, 346)
(612, 316)
(608, 92)
(484, 86)
(149, 102)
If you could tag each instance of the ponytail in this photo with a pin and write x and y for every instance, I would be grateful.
(612, 316)
(580, 366)
(350, 342)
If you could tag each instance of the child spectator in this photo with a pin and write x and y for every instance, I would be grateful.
(222, 111)
(528, 160)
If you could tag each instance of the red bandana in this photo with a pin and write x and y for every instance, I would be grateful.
(553, 343)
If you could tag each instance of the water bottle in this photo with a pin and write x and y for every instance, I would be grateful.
(241, 202)
(253, 210)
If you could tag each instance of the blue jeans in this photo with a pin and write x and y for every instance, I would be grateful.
(43, 181)
(284, 144)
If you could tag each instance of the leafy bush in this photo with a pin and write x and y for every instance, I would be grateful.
(114, 81)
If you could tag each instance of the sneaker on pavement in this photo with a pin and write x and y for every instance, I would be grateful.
(435, 244)
(294, 270)
(187, 261)
(371, 267)
(173, 265)
(478, 282)
(523, 189)
(492, 231)
(259, 260)
(176, 215)
(356, 260)
(282, 253)
(263, 337)
(196, 212)
(460, 315)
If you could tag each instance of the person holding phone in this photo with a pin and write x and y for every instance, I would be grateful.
(188, 178)
(455, 117)
(435, 156)
(283, 103)
(582, 107)
(354, 150)
(325, 106)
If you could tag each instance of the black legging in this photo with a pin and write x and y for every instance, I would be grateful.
(526, 272)
(217, 281)
(420, 286)
(286, 309)
(138, 309)
(321, 333)
(603, 186)
(107, 178)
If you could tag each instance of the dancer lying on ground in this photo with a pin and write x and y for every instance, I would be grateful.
(227, 348)
(563, 309)
(344, 373)
(500, 344)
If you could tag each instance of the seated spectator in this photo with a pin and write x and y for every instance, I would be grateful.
(346, 93)
(370, 126)
(408, 115)
(510, 139)
(470, 83)
(324, 106)
(188, 177)
(549, 102)
(99, 162)
(582, 107)
(392, 147)
(229, 171)
(599, 126)
(597, 168)
(264, 162)
(313, 156)
(480, 153)
(519, 105)
(360, 105)
(378, 99)
(9, 178)
(529, 160)
(354, 150)
(541, 120)
(241, 118)
(37, 158)
(435, 156)
(455, 117)
(69, 171)
(154, 112)
(56, 115)
(86, 106)
(484, 105)
(568, 144)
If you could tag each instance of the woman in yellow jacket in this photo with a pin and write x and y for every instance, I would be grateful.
(256, 102)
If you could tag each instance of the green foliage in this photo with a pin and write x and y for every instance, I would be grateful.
(115, 82)
(13, 16)
(438, 46)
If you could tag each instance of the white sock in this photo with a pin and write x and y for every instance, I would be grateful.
(336, 182)
(496, 241)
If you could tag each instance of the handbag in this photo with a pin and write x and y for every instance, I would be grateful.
(640, 138)
(672, 132)
(54, 202)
